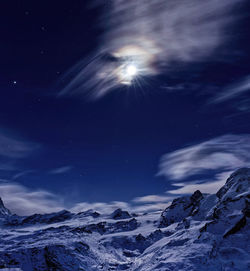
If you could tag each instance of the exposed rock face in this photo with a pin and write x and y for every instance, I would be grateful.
(200, 232)
(3, 210)
(236, 184)
(40, 219)
(231, 212)
(48, 219)
(180, 209)
(120, 214)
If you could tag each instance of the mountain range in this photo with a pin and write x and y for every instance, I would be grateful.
(198, 232)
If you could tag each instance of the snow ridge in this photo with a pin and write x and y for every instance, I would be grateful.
(197, 232)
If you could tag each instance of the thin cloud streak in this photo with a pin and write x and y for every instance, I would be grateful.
(60, 170)
(7, 166)
(233, 91)
(152, 199)
(14, 148)
(22, 173)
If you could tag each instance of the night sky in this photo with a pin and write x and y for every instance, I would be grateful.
(185, 123)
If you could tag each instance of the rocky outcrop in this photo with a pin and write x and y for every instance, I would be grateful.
(236, 185)
(200, 232)
(104, 227)
(226, 212)
(120, 214)
(40, 219)
(231, 211)
(180, 209)
(3, 210)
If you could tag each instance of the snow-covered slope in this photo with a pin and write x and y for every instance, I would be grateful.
(198, 232)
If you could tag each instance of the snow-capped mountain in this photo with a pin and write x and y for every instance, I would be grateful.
(197, 232)
(3, 210)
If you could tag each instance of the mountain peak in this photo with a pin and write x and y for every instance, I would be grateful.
(241, 171)
(120, 214)
(196, 232)
(3, 210)
(236, 184)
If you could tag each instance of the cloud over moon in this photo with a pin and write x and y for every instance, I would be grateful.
(150, 35)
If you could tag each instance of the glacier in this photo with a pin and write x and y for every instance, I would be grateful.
(198, 232)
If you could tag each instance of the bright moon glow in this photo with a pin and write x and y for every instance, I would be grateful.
(134, 62)
(131, 70)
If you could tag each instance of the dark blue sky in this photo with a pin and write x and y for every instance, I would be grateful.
(111, 147)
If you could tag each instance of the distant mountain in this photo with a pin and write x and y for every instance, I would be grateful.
(198, 232)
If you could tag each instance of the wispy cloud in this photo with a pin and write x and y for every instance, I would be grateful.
(6, 166)
(12, 150)
(11, 147)
(102, 207)
(108, 208)
(151, 35)
(152, 199)
(210, 186)
(223, 154)
(60, 170)
(233, 91)
(23, 201)
(21, 174)
(227, 152)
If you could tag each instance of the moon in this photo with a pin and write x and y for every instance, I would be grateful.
(131, 70)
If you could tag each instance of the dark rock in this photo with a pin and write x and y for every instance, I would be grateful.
(140, 238)
(3, 210)
(238, 226)
(100, 227)
(92, 213)
(121, 226)
(181, 208)
(197, 196)
(120, 214)
(246, 210)
(236, 179)
(47, 218)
